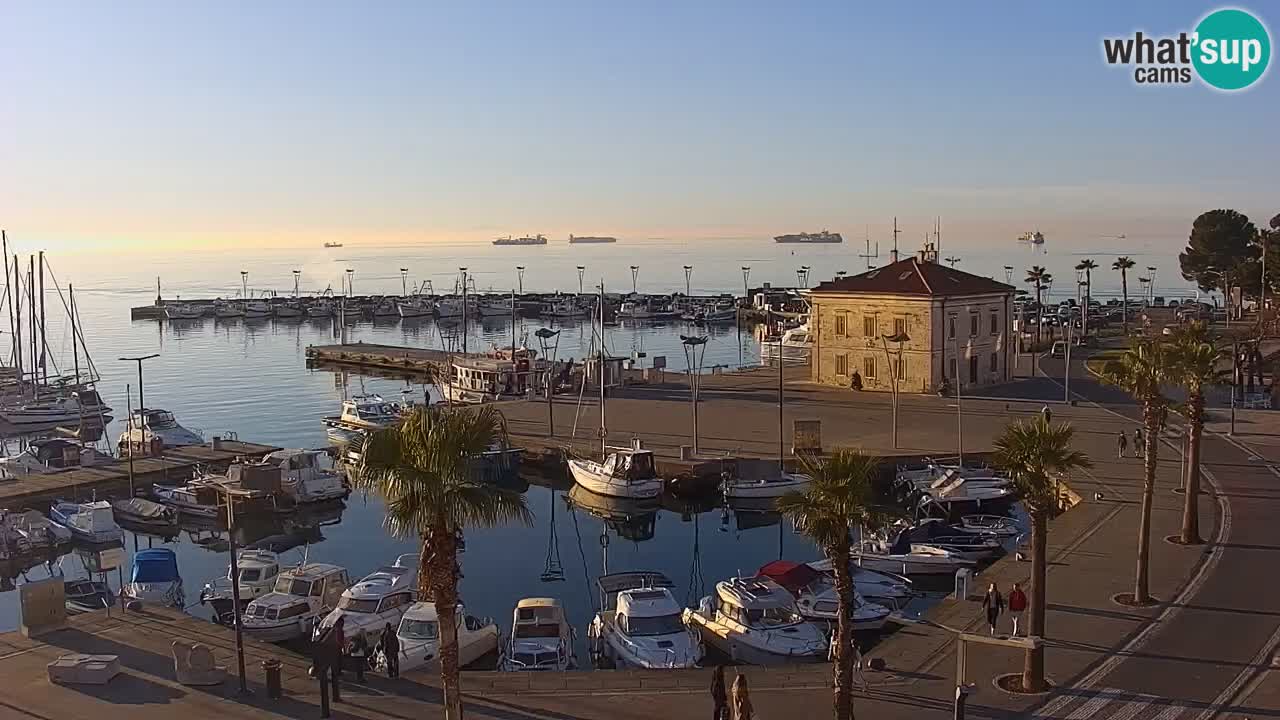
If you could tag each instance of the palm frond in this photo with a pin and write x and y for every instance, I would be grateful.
(1034, 453)
(841, 495)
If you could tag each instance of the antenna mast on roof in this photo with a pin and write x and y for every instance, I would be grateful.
(868, 255)
(894, 255)
(937, 234)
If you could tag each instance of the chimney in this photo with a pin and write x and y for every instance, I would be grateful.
(893, 255)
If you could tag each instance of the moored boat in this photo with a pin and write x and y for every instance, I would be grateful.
(155, 578)
(625, 472)
(755, 621)
(640, 624)
(302, 596)
(541, 637)
(419, 636)
(92, 522)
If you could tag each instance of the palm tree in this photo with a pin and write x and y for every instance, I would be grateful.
(840, 496)
(423, 471)
(1141, 371)
(1040, 278)
(1035, 454)
(1124, 264)
(1196, 367)
(1088, 266)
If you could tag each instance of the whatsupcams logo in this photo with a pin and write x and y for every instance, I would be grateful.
(1228, 50)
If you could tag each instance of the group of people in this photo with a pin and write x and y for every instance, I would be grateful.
(995, 605)
(1122, 444)
(730, 705)
(332, 652)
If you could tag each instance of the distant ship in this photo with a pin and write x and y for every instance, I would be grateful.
(822, 237)
(333, 245)
(590, 239)
(526, 240)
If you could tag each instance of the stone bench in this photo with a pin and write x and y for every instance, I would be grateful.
(81, 669)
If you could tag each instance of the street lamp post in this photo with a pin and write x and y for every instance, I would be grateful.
(404, 282)
(235, 586)
(581, 270)
(746, 290)
(688, 275)
(544, 341)
(296, 274)
(463, 272)
(520, 278)
(1066, 372)
(899, 338)
(351, 285)
(635, 272)
(1008, 274)
(244, 284)
(140, 360)
(802, 276)
(959, 404)
(693, 361)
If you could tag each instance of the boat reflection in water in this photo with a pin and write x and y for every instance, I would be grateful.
(634, 520)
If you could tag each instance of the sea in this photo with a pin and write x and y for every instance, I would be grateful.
(251, 378)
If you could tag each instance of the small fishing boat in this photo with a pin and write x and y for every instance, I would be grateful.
(320, 309)
(417, 307)
(487, 379)
(387, 307)
(307, 476)
(997, 525)
(755, 621)
(92, 522)
(257, 310)
(816, 596)
(378, 599)
(82, 596)
(155, 578)
(625, 472)
(565, 308)
(53, 453)
(301, 597)
(227, 310)
(968, 545)
(640, 625)
(258, 571)
(291, 310)
(145, 513)
(146, 425)
(419, 635)
(30, 530)
(763, 479)
(541, 637)
(907, 558)
(184, 311)
(362, 414)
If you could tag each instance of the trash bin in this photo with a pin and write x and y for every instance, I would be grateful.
(272, 670)
(962, 583)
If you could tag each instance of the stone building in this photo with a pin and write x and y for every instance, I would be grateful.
(912, 318)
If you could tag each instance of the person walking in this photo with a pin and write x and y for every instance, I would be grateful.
(359, 654)
(719, 697)
(326, 659)
(1138, 449)
(337, 643)
(857, 664)
(1122, 443)
(993, 601)
(1017, 605)
(391, 651)
(742, 708)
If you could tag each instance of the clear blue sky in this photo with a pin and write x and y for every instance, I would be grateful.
(291, 121)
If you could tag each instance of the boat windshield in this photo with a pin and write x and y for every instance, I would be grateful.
(537, 631)
(160, 419)
(293, 586)
(358, 606)
(250, 575)
(768, 618)
(419, 629)
(660, 625)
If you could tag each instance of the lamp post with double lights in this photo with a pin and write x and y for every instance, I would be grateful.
(581, 269)
(746, 290)
(695, 349)
(544, 336)
(635, 272)
(899, 338)
(520, 278)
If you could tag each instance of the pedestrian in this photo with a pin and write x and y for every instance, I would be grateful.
(337, 641)
(1122, 442)
(1017, 604)
(994, 604)
(719, 697)
(1138, 449)
(857, 664)
(1048, 416)
(856, 382)
(326, 662)
(742, 709)
(391, 651)
(359, 654)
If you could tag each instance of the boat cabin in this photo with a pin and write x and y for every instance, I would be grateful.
(632, 463)
(757, 603)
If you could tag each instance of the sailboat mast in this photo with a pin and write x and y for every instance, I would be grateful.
(513, 325)
(464, 311)
(16, 300)
(604, 433)
(4, 241)
(44, 319)
(31, 311)
(782, 438)
(75, 332)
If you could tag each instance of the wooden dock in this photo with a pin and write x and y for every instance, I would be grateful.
(421, 364)
(175, 465)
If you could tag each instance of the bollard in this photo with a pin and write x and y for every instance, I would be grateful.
(272, 669)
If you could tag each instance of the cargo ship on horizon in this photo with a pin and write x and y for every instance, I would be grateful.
(575, 239)
(526, 240)
(804, 237)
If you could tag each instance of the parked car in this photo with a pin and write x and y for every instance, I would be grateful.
(1059, 349)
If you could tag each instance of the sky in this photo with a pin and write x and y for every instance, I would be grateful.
(163, 125)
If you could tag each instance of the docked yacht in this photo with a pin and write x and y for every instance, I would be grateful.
(91, 522)
(419, 635)
(72, 408)
(378, 599)
(155, 578)
(302, 596)
(816, 596)
(361, 414)
(140, 512)
(882, 588)
(258, 571)
(640, 625)
(907, 558)
(541, 637)
(486, 379)
(307, 476)
(797, 346)
(965, 495)
(148, 425)
(755, 621)
(47, 454)
(625, 472)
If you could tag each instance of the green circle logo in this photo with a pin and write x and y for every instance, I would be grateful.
(1231, 49)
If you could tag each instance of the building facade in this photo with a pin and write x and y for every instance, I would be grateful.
(913, 320)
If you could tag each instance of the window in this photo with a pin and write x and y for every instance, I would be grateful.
(995, 323)
(293, 611)
(869, 367)
(973, 324)
(842, 364)
(995, 362)
(840, 321)
(973, 370)
(899, 326)
(357, 605)
(951, 326)
(419, 629)
(869, 325)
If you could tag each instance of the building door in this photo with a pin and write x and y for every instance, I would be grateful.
(973, 370)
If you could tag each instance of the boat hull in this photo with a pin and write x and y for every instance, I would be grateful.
(737, 488)
(739, 650)
(589, 475)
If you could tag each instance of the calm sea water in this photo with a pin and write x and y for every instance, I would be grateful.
(251, 378)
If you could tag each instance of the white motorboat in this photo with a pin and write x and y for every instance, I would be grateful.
(907, 558)
(258, 571)
(227, 310)
(797, 346)
(816, 596)
(967, 545)
(45, 454)
(362, 414)
(925, 481)
(763, 479)
(72, 408)
(301, 598)
(625, 472)
(307, 476)
(419, 635)
(155, 578)
(962, 495)
(640, 624)
(378, 599)
(541, 637)
(882, 588)
(186, 500)
(92, 521)
(184, 311)
(144, 513)
(644, 310)
(415, 307)
(997, 525)
(148, 425)
(754, 621)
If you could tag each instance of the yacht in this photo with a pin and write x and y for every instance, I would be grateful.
(486, 379)
(419, 635)
(882, 588)
(258, 571)
(362, 414)
(415, 307)
(541, 638)
(301, 597)
(797, 346)
(907, 558)
(379, 598)
(155, 578)
(92, 521)
(184, 311)
(755, 621)
(964, 495)
(140, 512)
(46, 454)
(307, 476)
(625, 472)
(147, 425)
(187, 500)
(968, 545)
(72, 408)
(816, 596)
(640, 625)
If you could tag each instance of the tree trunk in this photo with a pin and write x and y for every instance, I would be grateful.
(1151, 425)
(1191, 503)
(1033, 663)
(443, 550)
(1039, 336)
(842, 668)
(1084, 314)
(1124, 294)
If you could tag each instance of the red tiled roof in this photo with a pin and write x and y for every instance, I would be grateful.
(914, 277)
